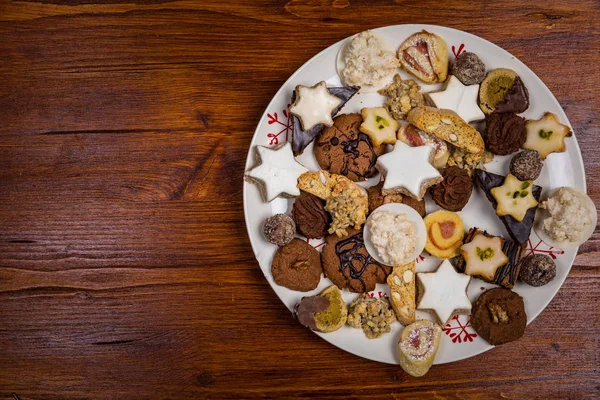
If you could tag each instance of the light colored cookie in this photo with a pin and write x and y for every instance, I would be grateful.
(277, 172)
(460, 99)
(444, 292)
(418, 346)
(314, 105)
(402, 292)
(546, 135)
(336, 315)
(347, 202)
(379, 125)
(449, 126)
(408, 170)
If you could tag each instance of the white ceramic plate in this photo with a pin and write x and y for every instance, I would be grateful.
(459, 340)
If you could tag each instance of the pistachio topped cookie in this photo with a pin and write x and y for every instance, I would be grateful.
(503, 91)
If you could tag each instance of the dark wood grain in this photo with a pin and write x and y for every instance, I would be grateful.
(125, 269)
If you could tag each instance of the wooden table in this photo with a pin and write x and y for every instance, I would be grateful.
(125, 268)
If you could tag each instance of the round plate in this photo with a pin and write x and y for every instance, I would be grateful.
(411, 215)
(459, 340)
(541, 214)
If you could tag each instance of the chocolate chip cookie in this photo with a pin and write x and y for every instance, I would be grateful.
(344, 150)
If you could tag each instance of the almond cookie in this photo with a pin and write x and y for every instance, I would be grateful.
(425, 55)
(348, 264)
(499, 316)
(297, 266)
(344, 200)
(448, 126)
(344, 150)
(402, 292)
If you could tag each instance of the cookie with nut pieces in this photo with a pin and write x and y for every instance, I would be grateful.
(402, 292)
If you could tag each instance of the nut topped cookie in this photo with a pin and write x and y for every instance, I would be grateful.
(297, 266)
(499, 316)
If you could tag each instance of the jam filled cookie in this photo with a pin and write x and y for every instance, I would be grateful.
(499, 316)
(445, 231)
(418, 346)
(425, 55)
(344, 150)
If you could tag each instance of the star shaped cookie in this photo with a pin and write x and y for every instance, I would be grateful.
(408, 170)
(278, 172)
(459, 98)
(445, 292)
(314, 105)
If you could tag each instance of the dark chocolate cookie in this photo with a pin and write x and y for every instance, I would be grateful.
(348, 264)
(454, 192)
(343, 149)
(310, 216)
(504, 133)
(537, 270)
(498, 316)
(297, 266)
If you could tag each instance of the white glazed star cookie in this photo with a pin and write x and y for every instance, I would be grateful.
(546, 135)
(408, 170)
(445, 292)
(277, 172)
(314, 105)
(459, 98)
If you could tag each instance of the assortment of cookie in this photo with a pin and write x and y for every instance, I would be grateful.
(421, 144)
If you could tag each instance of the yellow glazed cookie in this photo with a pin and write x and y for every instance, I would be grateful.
(546, 135)
(379, 125)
